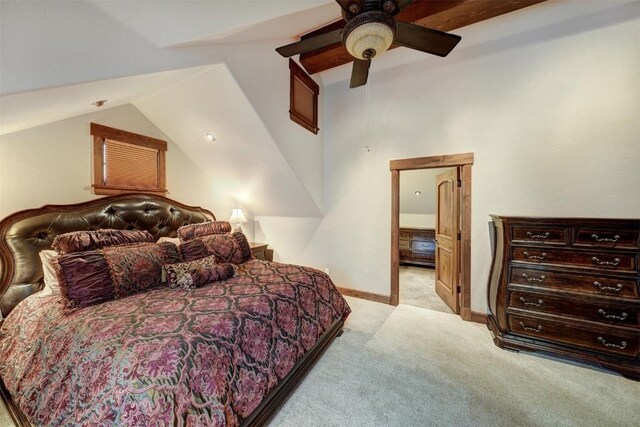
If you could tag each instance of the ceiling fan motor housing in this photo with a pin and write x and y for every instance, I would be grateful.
(369, 34)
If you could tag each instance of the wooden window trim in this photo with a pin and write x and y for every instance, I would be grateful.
(298, 73)
(102, 133)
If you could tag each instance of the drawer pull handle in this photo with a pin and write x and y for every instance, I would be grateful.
(533, 279)
(531, 328)
(541, 256)
(605, 239)
(536, 304)
(600, 286)
(621, 346)
(596, 260)
(538, 236)
(622, 316)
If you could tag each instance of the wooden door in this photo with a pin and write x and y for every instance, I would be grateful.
(447, 244)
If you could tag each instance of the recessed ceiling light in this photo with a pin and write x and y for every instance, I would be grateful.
(210, 136)
(418, 193)
(99, 103)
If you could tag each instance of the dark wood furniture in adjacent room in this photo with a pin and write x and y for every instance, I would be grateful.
(418, 246)
(568, 286)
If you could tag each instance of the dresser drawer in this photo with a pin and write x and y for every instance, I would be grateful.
(604, 340)
(405, 244)
(422, 235)
(423, 246)
(624, 287)
(405, 253)
(611, 260)
(547, 235)
(405, 235)
(592, 237)
(596, 310)
(427, 256)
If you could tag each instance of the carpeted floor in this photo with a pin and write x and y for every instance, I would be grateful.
(418, 288)
(5, 420)
(408, 366)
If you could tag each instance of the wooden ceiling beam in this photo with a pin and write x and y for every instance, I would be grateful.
(444, 15)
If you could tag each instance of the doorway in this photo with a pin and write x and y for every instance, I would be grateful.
(458, 248)
(418, 211)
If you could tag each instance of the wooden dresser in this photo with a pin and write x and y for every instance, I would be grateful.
(569, 287)
(418, 246)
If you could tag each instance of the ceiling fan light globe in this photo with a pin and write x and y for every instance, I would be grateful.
(374, 36)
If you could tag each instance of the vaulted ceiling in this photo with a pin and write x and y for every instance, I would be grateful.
(58, 57)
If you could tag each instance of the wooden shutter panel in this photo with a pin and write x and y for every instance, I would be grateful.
(130, 166)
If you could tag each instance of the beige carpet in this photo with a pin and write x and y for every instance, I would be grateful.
(418, 288)
(5, 420)
(407, 366)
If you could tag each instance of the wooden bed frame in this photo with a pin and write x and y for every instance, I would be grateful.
(24, 234)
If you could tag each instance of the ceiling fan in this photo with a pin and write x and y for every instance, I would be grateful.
(370, 30)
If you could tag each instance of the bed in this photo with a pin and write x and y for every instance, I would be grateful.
(228, 353)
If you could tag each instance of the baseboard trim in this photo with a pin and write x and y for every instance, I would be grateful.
(479, 317)
(384, 299)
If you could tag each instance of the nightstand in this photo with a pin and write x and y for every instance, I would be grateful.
(260, 251)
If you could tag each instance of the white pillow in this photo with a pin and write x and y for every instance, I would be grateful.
(51, 285)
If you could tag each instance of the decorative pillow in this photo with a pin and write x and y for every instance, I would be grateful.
(51, 285)
(175, 240)
(191, 275)
(92, 277)
(78, 241)
(192, 231)
(232, 248)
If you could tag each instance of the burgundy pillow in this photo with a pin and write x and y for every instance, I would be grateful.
(192, 231)
(193, 274)
(92, 277)
(78, 241)
(232, 248)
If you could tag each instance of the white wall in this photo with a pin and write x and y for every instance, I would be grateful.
(410, 220)
(418, 210)
(51, 164)
(552, 115)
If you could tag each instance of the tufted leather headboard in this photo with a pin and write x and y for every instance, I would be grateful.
(25, 233)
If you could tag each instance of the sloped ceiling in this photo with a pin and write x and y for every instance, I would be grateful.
(45, 44)
(244, 158)
(424, 181)
(58, 57)
(30, 109)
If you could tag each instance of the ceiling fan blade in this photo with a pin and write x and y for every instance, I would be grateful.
(312, 43)
(425, 39)
(402, 3)
(360, 72)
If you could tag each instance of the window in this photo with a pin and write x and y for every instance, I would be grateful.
(124, 162)
(303, 98)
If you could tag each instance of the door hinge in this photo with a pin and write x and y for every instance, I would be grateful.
(458, 289)
(459, 183)
(459, 235)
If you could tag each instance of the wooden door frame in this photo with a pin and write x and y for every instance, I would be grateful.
(463, 161)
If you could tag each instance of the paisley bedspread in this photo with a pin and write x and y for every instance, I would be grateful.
(206, 357)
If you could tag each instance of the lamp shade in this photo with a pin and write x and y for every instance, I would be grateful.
(237, 216)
